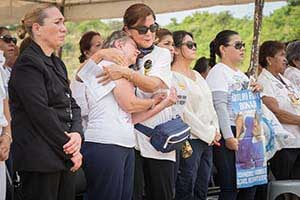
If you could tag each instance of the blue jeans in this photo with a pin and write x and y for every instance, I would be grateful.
(224, 160)
(109, 171)
(194, 172)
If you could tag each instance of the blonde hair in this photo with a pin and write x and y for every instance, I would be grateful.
(36, 15)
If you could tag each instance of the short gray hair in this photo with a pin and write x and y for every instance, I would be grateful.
(120, 35)
(293, 52)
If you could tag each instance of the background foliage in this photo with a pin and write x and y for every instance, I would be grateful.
(282, 25)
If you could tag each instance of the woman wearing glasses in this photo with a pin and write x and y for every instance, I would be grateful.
(224, 78)
(282, 97)
(154, 75)
(200, 115)
(8, 44)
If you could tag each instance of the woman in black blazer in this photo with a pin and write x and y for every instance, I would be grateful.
(46, 122)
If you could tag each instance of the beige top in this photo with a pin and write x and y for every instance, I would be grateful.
(199, 112)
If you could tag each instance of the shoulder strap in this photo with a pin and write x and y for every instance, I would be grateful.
(144, 129)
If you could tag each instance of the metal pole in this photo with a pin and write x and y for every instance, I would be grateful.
(258, 15)
(62, 10)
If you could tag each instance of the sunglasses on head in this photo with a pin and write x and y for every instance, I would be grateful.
(8, 39)
(190, 44)
(238, 45)
(144, 29)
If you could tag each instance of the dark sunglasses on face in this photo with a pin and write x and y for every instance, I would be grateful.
(144, 29)
(238, 45)
(8, 39)
(190, 44)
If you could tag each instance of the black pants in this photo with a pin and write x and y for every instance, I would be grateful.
(159, 179)
(153, 178)
(139, 183)
(47, 186)
(285, 164)
(224, 160)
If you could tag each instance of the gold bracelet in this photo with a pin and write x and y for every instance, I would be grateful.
(8, 135)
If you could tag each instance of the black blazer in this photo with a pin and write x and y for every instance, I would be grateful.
(42, 108)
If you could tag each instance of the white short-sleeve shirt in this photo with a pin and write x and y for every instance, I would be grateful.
(160, 68)
(222, 78)
(282, 93)
(107, 122)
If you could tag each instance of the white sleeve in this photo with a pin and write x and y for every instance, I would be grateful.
(162, 67)
(216, 81)
(268, 89)
(3, 121)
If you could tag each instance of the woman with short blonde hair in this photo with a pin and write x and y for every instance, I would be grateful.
(46, 120)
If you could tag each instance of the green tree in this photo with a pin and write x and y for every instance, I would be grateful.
(282, 25)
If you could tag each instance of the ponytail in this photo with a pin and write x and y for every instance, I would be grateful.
(82, 58)
(21, 31)
(212, 58)
(222, 38)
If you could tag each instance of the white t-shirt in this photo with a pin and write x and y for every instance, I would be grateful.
(79, 93)
(107, 122)
(161, 68)
(5, 72)
(3, 94)
(199, 112)
(222, 78)
(293, 74)
(3, 122)
(281, 92)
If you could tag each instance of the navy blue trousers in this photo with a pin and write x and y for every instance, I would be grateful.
(109, 171)
(224, 160)
(194, 172)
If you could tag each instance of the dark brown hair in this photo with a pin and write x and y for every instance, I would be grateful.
(202, 65)
(137, 13)
(85, 44)
(160, 33)
(222, 38)
(2, 29)
(178, 37)
(269, 49)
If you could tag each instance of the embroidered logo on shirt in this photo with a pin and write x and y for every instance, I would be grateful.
(147, 67)
(181, 86)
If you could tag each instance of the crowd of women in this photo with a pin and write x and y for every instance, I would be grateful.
(54, 127)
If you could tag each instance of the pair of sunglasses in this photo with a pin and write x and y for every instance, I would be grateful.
(190, 44)
(8, 39)
(144, 29)
(239, 45)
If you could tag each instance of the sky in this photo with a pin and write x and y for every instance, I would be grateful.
(238, 11)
